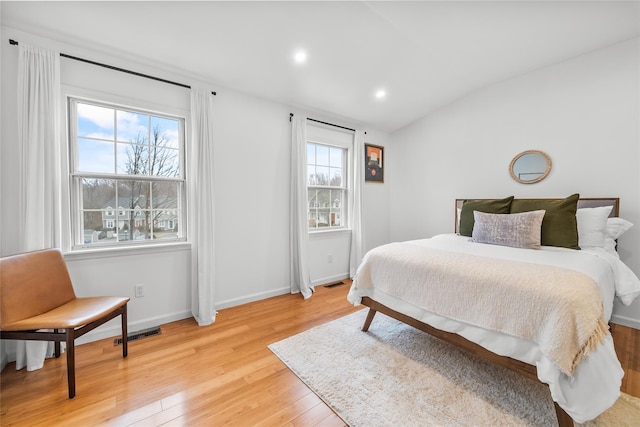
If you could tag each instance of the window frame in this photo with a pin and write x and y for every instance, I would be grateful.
(325, 137)
(115, 214)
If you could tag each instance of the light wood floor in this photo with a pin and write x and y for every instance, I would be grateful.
(203, 376)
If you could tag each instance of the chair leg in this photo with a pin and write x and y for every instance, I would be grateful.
(56, 346)
(123, 316)
(71, 362)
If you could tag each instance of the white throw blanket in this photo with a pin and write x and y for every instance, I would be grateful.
(559, 309)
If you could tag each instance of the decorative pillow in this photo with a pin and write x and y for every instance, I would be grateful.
(615, 228)
(560, 226)
(592, 224)
(501, 206)
(521, 230)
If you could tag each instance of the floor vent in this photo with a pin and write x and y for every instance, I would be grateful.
(133, 336)
(333, 285)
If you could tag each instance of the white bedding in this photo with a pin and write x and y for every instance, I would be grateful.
(595, 385)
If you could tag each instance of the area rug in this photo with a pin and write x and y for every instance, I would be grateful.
(396, 375)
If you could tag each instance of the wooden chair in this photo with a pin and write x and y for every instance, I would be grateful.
(36, 294)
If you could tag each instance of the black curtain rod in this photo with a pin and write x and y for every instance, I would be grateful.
(324, 123)
(111, 67)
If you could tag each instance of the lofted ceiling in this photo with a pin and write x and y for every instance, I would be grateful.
(424, 54)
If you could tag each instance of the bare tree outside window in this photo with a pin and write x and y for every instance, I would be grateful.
(146, 201)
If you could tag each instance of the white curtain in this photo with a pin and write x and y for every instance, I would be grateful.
(299, 243)
(201, 207)
(355, 203)
(39, 180)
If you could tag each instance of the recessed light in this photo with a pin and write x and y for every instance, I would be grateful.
(381, 93)
(300, 57)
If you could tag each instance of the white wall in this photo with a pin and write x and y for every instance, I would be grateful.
(330, 250)
(583, 112)
(377, 196)
(252, 151)
(252, 176)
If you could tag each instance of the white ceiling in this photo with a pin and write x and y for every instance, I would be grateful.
(425, 54)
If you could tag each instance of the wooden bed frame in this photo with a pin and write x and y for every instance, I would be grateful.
(525, 369)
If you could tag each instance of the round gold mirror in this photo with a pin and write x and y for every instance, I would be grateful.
(530, 166)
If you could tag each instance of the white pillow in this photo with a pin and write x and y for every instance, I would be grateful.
(616, 227)
(518, 230)
(592, 224)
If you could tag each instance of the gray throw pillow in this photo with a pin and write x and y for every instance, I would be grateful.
(521, 230)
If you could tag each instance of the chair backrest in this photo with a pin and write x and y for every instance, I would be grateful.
(33, 283)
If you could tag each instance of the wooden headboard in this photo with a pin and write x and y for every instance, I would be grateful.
(582, 203)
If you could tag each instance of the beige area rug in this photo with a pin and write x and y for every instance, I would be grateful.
(396, 375)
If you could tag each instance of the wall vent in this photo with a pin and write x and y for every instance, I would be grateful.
(133, 336)
(333, 285)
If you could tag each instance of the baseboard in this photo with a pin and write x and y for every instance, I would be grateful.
(251, 298)
(330, 279)
(625, 321)
(110, 331)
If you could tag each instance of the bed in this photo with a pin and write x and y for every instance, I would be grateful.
(528, 284)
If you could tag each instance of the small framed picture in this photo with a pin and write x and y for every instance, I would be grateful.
(373, 161)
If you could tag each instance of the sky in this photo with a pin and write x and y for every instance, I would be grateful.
(104, 135)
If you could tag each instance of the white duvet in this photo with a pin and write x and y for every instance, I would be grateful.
(595, 385)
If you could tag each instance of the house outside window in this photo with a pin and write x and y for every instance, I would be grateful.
(328, 154)
(127, 170)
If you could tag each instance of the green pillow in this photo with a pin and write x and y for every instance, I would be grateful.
(559, 226)
(501, 206)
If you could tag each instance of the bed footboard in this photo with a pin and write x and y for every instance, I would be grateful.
(529, 371)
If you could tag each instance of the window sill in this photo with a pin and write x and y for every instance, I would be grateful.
(107, 252)
(330, 232)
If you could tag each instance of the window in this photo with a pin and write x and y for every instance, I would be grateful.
(127, 173)
(326, 185)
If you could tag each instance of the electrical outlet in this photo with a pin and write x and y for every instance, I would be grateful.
(139, 290)
(330, 258)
